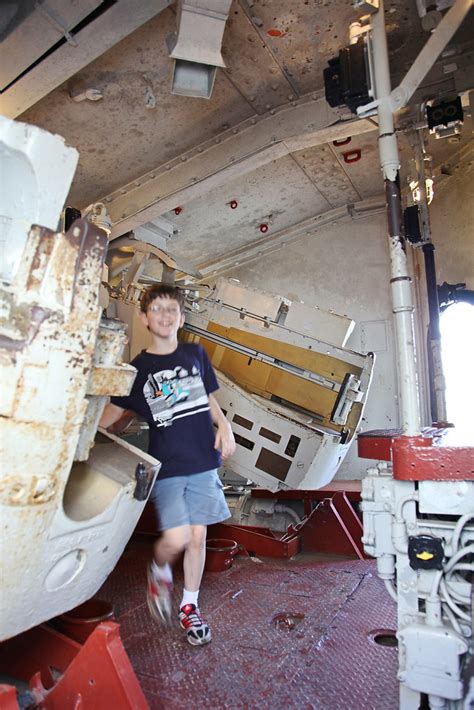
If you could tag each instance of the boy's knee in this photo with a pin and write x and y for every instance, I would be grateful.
(198, 536)
(175, 540)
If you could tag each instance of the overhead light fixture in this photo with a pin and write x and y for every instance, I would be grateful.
(196, 48)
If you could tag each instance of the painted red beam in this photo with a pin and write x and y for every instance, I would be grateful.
(351, 489)
(97, 674)
(436, 455)
(377, 444)
(420, 458)
(256, 540)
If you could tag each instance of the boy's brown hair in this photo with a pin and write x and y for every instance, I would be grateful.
(162, 291)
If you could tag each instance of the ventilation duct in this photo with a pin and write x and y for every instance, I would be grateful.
(196, 49)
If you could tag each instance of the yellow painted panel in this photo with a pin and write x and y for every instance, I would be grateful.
(324, 365)
(249, 373)
(268, 381)
(302, 393)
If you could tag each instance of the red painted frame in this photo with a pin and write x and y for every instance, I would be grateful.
(433, 456)
(97, 674)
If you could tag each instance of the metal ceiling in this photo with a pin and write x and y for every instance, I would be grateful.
(264, 139)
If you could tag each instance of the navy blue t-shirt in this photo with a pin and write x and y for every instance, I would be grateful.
(171, 393)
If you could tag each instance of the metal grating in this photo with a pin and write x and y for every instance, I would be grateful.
(328, 660)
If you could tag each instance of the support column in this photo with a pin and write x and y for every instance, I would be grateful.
(402, 299)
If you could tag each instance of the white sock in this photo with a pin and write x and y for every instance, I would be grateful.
(189, 598)
(162, 572)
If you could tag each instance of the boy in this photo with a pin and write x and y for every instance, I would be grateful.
(173, 392)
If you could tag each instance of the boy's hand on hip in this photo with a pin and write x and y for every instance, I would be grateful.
(225, 441)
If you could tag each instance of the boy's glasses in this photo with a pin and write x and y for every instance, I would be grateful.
(169, 310)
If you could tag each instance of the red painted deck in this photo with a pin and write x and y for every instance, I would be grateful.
(328, 660)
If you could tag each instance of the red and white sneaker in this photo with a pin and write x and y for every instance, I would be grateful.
(158, 595)
(197, 630)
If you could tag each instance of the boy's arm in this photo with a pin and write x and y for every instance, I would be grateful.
(224, 437)
(110, 415)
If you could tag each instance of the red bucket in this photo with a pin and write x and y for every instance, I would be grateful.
(80, 622)
(220, 554)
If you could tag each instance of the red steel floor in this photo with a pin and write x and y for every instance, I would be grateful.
(327, 659)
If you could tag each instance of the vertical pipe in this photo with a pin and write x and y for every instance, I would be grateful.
(402, 300)
(438, 387)
(436, 374)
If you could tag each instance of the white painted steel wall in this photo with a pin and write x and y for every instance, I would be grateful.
(344, 268)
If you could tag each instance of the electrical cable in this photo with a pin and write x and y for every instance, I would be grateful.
(458, 529)
(452, 605)
(390, 587)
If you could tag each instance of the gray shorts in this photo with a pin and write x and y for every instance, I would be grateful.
(196, 499)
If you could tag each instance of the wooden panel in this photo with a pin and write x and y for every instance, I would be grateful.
(268, 381)
(324, 365)
(302, 393)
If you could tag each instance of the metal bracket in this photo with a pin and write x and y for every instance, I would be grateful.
(400, 96)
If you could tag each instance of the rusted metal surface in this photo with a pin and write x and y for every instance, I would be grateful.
(49, 328)
(27, 490)
(24, 323)
(117, 380)
(108, 376)
(45, 380)
(323, 658)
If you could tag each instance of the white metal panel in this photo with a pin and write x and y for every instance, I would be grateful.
(322, 168)
(323, 325)
(75, 547)
(117, 22)
(275, 194)
(37, 169)
(318, 454)
(364, 172)
(252, 68)
(231, 318)
(230, 292)
(40, 30)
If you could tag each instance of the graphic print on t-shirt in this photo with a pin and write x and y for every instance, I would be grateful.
(172, 394)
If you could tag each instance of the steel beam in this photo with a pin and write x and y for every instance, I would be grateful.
(234, 153)
(307, 227)
(438, 40)
(120, 20)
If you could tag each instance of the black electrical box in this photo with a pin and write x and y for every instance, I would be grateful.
(346, 78)
(411, 219)
(425, 552)
(444, 113)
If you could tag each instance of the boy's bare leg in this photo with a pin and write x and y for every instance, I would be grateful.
(160, 577)
(194, 558)
(171, 543)
(197, 629)
(191, 538)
